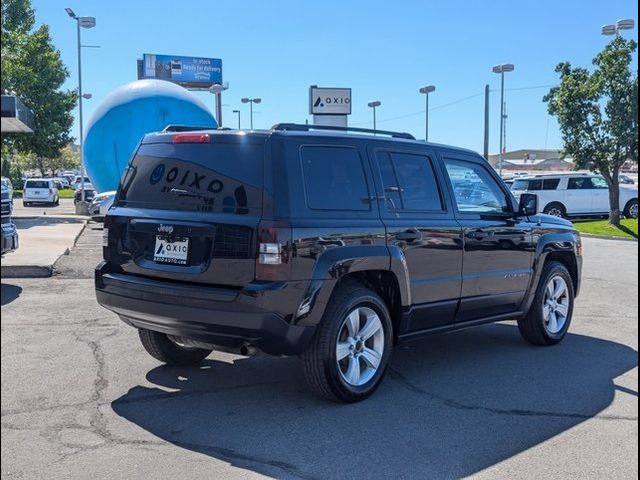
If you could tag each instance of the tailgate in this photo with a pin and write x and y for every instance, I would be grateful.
(189, 212)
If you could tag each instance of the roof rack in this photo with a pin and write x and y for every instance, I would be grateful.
(186, 128)
(296, 127)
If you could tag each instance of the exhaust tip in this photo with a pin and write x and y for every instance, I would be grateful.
(248, 350)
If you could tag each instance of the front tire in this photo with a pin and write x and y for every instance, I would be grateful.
(631, 209)
(550, 314)
(162, 348)
(348, 356)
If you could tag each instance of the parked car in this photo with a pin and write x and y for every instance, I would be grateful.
(77, 182)
(89, 193)
(575, 195)
(626, 180)
(64, 182)
(7, 185)
(207, 247)
(100, 205)
(9, 232)
(40, 190)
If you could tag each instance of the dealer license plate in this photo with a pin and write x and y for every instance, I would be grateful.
(174, 250)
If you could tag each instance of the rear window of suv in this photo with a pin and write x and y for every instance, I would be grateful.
(207, 177)
(36, 184)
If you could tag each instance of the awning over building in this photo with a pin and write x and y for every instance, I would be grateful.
(16, 117)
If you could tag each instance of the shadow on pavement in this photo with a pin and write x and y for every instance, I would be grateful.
(10, 293)
(450, 406)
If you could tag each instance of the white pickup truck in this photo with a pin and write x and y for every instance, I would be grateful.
(575, 194)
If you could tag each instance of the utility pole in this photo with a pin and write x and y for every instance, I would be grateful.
(486, 123)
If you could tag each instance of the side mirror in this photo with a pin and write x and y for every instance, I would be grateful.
(528, 204)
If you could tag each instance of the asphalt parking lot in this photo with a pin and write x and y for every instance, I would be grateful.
(66, 207)
(81, 399)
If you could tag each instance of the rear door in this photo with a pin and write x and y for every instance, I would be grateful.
(579, 195)
(188, 209)
(599, 195)
(419, 221)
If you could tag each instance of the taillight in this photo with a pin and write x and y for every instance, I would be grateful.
(191, 138)
(105, 231)
(273, 260)
(51, 190)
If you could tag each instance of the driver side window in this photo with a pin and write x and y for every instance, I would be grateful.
(475, 190)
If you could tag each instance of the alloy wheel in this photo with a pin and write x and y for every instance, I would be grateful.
(556, 305)
(360, 346)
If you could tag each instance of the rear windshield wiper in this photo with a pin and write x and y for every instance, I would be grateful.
(184, 193)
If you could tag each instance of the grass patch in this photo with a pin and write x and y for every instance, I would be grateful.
(66, 193)
(628, 228)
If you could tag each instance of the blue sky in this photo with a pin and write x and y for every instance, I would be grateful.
(382, 50)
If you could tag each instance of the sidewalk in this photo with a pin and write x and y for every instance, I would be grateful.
(41, 242)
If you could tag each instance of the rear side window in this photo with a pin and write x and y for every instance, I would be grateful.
(37, 184)
(520, 185)
(210, 177)
(409, 181)
(334, 178)
(550, 183)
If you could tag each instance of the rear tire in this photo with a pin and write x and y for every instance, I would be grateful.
(160, 347)
(345, 330)
(550, 314)
(556, 209)
(631, 209)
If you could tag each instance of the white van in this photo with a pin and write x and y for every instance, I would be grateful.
(40, 190)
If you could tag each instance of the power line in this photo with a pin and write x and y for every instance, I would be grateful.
(455, 102)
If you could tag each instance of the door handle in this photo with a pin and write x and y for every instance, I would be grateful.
(409, 235)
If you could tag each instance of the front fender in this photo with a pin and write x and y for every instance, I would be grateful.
(555, 242)
(336, 263)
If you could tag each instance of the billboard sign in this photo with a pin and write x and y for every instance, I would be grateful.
(329, 101)
(189, 72)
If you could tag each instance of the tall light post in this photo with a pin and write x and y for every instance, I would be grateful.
(84, 22)
(426, 91)
(217, 90)
(373, 105)
(251, 101)
(614, 29)
(502, 69)
(238, 112)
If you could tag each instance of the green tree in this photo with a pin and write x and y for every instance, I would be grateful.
(598, 114)
(32, 67)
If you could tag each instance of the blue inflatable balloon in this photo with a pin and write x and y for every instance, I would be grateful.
(129, 112)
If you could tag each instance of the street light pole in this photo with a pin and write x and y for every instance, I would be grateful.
(238, 112)
(85, 22)
(373, 105)
(614, 29)
(502, 69)
(251, 101)
(426, 91)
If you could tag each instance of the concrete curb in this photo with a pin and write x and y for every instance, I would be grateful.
(605, 237)
(37, 270)
(27, 271)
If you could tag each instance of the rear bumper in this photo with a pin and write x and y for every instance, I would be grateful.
(220, 316)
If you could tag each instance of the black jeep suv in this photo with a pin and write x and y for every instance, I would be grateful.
(328, 244)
